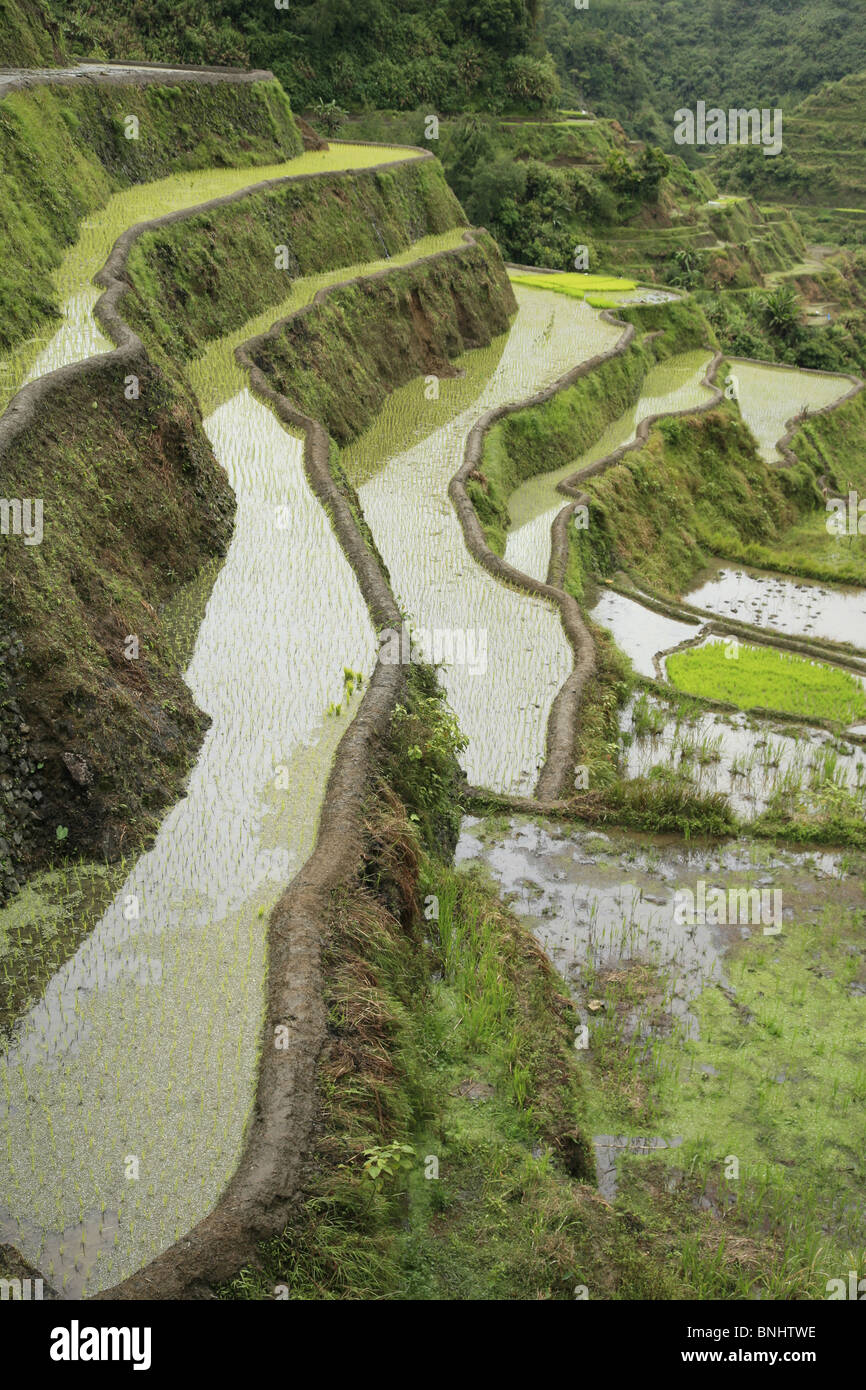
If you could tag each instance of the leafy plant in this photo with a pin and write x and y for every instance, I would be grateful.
(387, 1160)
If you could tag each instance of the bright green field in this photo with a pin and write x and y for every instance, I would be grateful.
(762, 676)
(574, 285)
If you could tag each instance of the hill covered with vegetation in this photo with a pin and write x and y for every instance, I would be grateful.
(450, 54)
(641, 62)
(824, 156)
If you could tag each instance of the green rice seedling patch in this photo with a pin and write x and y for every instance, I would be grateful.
(762, 677)
(575, 286)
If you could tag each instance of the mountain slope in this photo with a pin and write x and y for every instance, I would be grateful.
(824, 154)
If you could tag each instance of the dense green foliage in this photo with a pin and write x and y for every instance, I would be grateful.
(768, 325)
(29, 36)
(541, 187)
(641, 62)
(824, 153)
(449, 54)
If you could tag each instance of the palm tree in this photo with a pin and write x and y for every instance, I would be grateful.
(782, 313)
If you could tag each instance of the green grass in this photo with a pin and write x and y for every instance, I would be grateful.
(201, 278)
(762, 677)
(699, 489)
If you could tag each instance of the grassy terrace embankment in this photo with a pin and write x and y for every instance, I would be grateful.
(29, 36)
(545, 437)
(201, 278)
(64, 150)
(340, 360)
(93, 743)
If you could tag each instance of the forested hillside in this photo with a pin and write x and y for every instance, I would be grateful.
(635, 62)
(640, 62)
(824, 158)
(452, 54)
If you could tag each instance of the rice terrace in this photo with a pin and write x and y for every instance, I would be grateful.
(433, 658)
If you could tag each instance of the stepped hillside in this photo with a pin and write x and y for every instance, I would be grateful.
(145, 468)
(64, 152)
(281, 408)
(824, 155)
(545, 185)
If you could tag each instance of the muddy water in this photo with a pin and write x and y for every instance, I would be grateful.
(78, 335)
(638, 631)
(596, 900)
(769, 397)
(730, 754)
(669, 386)
(502, 703)
(793, 606)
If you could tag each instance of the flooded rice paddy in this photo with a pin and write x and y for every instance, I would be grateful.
(796, 607)
(594, 901)
(126, 1089)
(640, 632)
(145, 1044)
(747, 762)
(769, 397)
(721, 994)
(502, 703)
(79, 335)
(669, 386)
